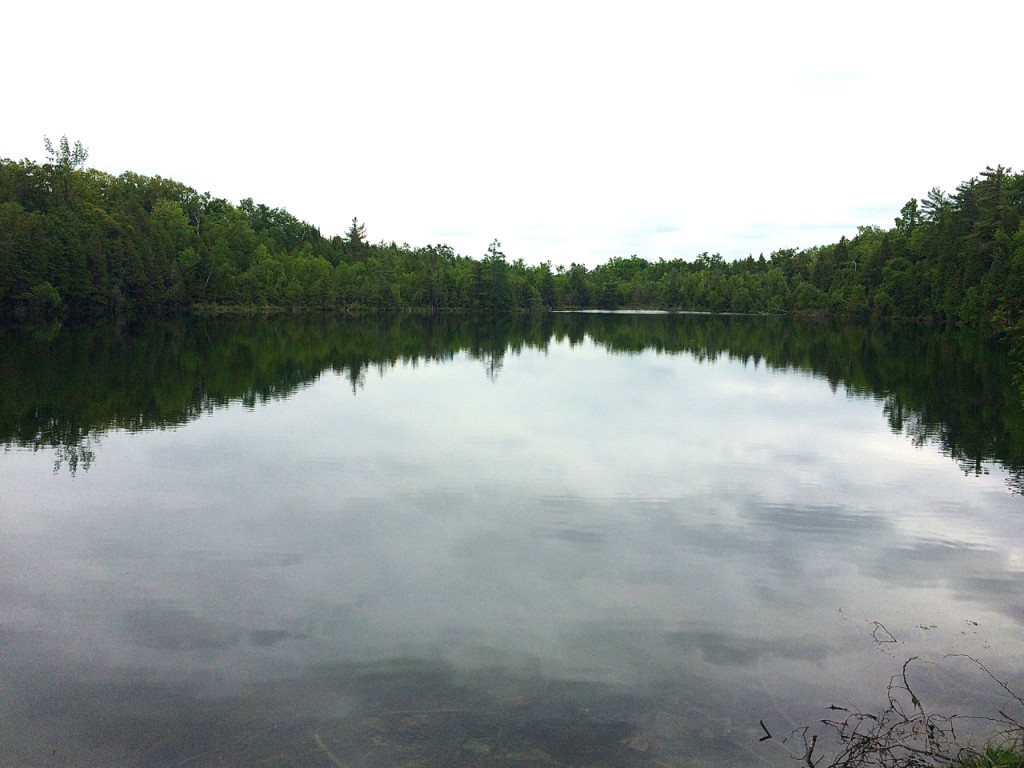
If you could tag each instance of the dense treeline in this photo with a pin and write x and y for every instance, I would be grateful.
(77, 242)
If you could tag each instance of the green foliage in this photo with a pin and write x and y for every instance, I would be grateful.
(64, 162)
(356, 234)
(65, 157)
(131, 244)
(995, 757)
(43, 299)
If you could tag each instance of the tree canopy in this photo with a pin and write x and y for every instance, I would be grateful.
(79, 243)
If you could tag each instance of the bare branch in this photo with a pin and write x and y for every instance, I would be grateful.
(906, 737)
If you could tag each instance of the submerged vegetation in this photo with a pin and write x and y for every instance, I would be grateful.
(78, 243)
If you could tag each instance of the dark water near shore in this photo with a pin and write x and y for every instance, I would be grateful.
(599, 540)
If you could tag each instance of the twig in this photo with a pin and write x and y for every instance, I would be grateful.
(326, 751)
(881, 627)
(901, 736)
(810, 751)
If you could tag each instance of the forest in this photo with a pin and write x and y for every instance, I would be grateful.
(77, 243)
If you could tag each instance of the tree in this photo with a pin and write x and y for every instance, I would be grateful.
(491, 284)
(936, 205)
(354, 245)
(169, 235)
(547, 284)
(578, 296)
(65, 161)
(356, 234)
(909, 217)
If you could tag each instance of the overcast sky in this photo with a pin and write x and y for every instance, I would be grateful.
(570, 131)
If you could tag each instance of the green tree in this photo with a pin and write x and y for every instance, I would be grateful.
(493, 291)
(64, 162)
(909, 217)
(546, 284)
(356, 234)
(936, 205)
(578, 291)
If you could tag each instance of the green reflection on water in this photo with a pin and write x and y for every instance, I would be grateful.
(949, 388)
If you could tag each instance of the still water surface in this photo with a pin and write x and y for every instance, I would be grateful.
(614, 542)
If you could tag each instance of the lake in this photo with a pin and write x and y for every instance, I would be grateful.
(555, 540)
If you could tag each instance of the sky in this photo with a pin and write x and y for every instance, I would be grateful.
(569, 131)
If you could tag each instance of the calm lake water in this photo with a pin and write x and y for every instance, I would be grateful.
(604, 540)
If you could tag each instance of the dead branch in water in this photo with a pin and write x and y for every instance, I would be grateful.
(905, 734)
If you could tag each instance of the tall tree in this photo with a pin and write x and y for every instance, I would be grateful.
(64, 161)
(355, 240)
(909, 217)
(356, 234)
(936, 205)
